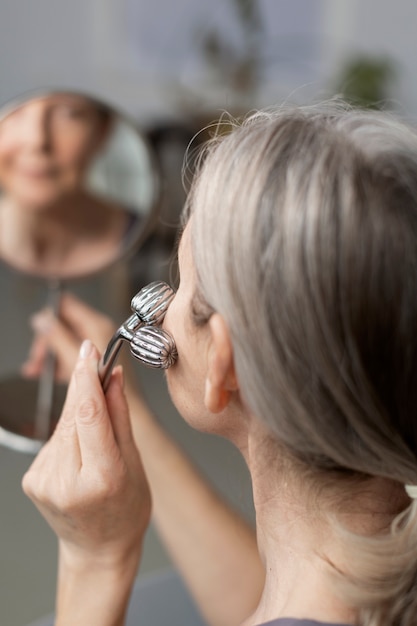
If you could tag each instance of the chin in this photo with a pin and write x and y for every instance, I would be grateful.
(37, 202)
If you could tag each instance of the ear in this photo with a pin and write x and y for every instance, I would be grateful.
(221, 377)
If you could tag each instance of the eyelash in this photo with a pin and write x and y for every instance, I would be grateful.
(200, 310)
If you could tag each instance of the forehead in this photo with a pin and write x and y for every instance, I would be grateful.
(61, 99)
(184, 243)
(45, 103)
(185, 256)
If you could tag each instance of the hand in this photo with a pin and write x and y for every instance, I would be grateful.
(64, 335)
(88, 481)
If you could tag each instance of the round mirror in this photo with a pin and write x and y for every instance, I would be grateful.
(79, 190)
(78, 185)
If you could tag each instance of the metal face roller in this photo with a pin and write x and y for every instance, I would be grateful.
(154, 347)
(149, 305)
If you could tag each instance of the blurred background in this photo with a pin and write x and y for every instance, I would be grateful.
(173, 66)
(169, 60)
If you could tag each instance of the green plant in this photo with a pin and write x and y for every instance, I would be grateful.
(366, 82)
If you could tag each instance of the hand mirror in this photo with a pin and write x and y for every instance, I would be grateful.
(79, 190)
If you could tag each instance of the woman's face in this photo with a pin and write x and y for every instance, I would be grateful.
(46, 145)
(186, 378)
(202, 383)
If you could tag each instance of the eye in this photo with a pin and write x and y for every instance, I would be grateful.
(71, 112)
(200, 310)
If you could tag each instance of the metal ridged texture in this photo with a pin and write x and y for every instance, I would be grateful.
(151, 303)
(154, 347)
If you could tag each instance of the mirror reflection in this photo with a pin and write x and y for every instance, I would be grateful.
(79, 192)
(77, 185)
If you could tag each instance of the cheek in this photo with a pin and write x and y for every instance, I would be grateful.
(186, 379)
(7, 165)
(74, 151)
(187, 394)
(8, 149)
(70, 157)
(12, 141)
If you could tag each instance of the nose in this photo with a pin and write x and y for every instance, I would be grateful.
(34, 126)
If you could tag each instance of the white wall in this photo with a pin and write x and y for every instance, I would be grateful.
(141, 55)
(376, 28)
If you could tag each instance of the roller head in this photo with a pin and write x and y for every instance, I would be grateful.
(151, 303)
(154, 347)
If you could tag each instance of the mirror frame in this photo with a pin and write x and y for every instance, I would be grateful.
(14, 440)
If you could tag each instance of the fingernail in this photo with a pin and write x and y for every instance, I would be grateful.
(86, 349)
(120, 374)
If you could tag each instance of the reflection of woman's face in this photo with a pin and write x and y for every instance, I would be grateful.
(46, 145)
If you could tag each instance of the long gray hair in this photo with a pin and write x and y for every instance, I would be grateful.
(304, 237)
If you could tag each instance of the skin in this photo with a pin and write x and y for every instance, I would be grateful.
(201, 388)
(46, 145)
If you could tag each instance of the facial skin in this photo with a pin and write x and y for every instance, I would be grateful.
(45, 147)
(186, 379)
(202, 383)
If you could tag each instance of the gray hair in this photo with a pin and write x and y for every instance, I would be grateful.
(304, 237)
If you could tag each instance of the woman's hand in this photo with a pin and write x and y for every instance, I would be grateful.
(89, 484)
(63, 336)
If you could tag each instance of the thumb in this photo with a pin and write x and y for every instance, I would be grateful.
(95, 433)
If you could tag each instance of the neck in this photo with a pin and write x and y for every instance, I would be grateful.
(50, 239)
(74, 212)
(295, 540)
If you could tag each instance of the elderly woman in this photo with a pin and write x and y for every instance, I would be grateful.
(52, 223)
(295, 323)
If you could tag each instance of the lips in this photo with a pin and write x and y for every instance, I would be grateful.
(36, 172)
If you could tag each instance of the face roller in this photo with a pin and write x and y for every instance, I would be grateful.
(149, 343)
(153, 347)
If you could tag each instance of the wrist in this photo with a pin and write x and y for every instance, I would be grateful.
(78, 562)
(92, 589)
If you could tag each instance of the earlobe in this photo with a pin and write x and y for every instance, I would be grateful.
(221, 378)
(215, 399)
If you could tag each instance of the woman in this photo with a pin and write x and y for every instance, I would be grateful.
(295, 324)
(51, 224)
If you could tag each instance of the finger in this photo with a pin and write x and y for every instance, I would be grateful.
(119, 410)
(95, 433)
(65, 435)
(55, 336)
(60, 456)
(85, 321)
(63, 341)
(32, 367)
